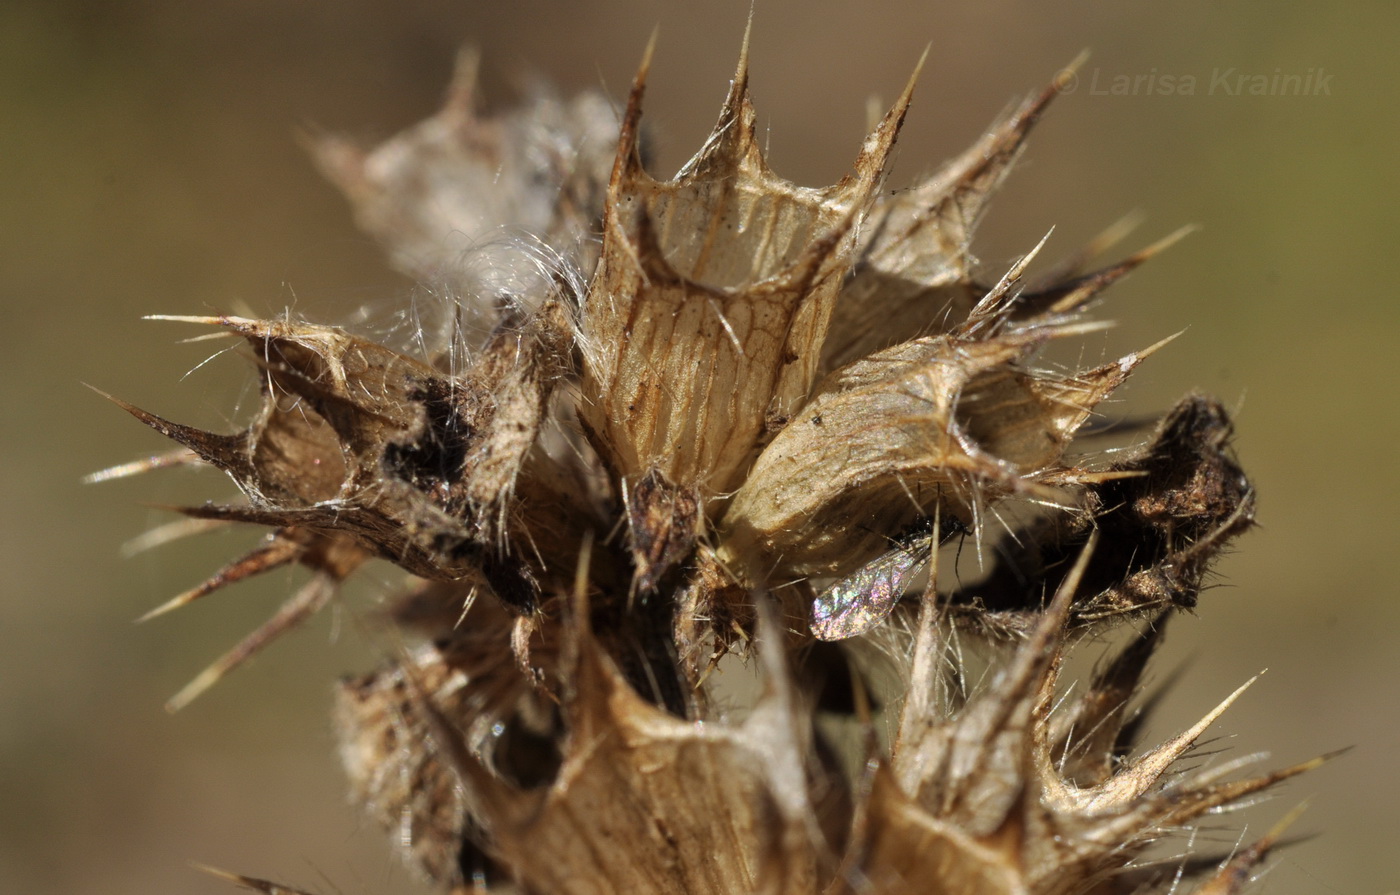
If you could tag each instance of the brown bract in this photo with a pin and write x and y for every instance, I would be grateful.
(702, 327)
(946, 423)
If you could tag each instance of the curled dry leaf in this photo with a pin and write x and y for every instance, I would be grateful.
(668, 445)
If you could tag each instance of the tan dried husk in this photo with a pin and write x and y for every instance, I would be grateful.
(760, 387)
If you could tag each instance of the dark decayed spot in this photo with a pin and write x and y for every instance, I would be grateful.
(433, 462)
(1158, 530)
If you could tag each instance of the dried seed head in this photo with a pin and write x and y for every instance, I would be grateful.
(766, 397)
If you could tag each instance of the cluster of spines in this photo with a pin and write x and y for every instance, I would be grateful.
(727, 363)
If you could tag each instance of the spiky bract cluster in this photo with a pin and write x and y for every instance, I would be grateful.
(671, 439)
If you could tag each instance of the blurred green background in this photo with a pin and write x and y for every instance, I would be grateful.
(151, 166)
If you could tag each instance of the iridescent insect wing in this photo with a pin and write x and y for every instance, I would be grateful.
(857, 603)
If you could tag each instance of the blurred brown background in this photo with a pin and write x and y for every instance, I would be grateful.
(150, 166)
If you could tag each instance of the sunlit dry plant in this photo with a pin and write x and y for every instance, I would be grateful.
(677, 429)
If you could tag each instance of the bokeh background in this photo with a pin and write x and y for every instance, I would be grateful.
(150, 165)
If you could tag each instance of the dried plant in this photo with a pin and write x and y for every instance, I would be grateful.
(726, 416)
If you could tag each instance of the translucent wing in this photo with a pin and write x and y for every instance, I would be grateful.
(857, 603)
